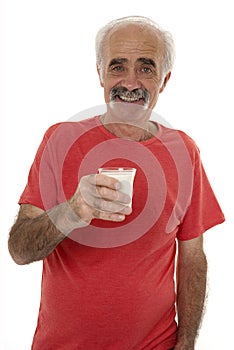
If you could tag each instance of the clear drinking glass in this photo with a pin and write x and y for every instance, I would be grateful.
(124, 175)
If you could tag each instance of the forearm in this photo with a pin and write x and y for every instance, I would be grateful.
(34, 238)
(36, 233)
(191, 292)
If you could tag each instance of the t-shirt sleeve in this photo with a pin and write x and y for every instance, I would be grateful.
(204, 210)
(40, 189)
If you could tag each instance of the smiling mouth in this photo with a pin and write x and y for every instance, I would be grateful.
(130, 99)
(135, 96)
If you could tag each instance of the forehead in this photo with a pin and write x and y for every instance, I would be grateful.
(133, 41)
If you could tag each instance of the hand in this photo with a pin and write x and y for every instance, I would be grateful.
(98, 196)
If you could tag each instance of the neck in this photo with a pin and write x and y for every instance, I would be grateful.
(140, 131)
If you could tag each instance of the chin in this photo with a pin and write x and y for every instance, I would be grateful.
(128, 112)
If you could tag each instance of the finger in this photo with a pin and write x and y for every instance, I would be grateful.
(88, 189)
(109, 206)
(112, 195)
(117, 217)
(99, 197)
(103, 180)
(102, 186)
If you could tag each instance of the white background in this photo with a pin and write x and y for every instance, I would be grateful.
(48, 74)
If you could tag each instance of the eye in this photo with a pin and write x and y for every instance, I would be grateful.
(117, 69)
(146, 70)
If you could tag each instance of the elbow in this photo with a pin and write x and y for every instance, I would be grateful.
(19, 260)
(18, 257)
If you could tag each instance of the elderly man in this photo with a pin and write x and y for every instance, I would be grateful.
(108, 268)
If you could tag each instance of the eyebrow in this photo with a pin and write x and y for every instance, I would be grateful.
(117, 61)
(144, 60)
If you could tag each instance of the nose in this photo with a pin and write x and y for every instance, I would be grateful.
(130, 80)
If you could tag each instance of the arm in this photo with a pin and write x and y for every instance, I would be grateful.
(36, 233)
(191, 291)
(33, 236)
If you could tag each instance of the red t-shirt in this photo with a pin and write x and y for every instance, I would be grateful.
(109, 286)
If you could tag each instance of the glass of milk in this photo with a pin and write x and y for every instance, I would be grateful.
(124, 175)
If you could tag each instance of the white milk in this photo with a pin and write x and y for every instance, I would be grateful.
(125, 177)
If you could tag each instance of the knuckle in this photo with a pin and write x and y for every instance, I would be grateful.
(83, 186)
(86, 181)
(103, 191)
(97, 203)
(104, 205)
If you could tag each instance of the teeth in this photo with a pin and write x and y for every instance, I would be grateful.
(129, 99)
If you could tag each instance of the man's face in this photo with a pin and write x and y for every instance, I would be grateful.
(132, 66)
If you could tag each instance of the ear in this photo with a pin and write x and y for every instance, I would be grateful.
(167, 77)
(100, 75)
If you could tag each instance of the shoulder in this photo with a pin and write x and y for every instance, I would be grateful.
(178, 140)
(69, 129)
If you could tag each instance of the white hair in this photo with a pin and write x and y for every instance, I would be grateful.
(166, 37)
